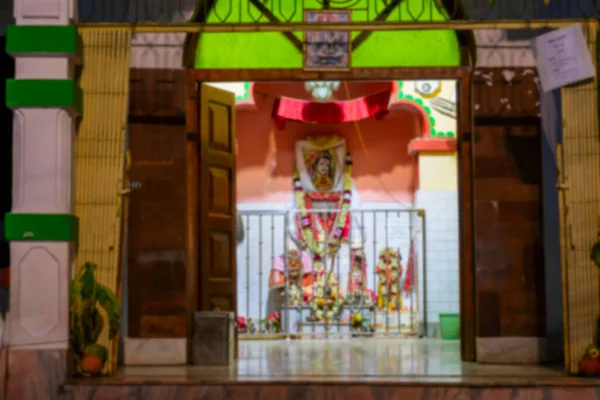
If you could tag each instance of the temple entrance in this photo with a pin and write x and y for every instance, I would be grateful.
(347, 236)
(159, 222)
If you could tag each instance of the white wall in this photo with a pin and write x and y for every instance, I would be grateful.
(494, 49)
(442, 243)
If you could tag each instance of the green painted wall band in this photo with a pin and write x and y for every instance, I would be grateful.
(41, 227)
(260, 50)
(43, 93)
(42, 39)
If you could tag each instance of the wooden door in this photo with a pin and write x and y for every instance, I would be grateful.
(212, 137)
(508, 204)
(157, 218)
(217, 199)
(468, 315)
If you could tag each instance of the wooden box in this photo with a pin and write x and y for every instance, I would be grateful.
(214, 338)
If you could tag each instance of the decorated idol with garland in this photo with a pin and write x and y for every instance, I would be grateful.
(389, 271)
(322, 223)
(298, 270)
(357, 291)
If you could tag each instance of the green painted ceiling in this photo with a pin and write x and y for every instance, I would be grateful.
(274, 50)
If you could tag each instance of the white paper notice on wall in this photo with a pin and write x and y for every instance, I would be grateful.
(563, 58)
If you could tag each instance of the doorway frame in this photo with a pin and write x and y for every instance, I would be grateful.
(464, 149)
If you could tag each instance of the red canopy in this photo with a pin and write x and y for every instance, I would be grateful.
(373, 105)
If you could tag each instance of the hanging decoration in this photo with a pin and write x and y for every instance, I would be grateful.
(374, 105)
(321, 90)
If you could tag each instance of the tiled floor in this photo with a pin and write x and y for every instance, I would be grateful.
(368, 360)
(350, 369)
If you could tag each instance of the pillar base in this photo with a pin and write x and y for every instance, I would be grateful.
(35, 374)
(156, 351)
(517, 350)
(39, 295)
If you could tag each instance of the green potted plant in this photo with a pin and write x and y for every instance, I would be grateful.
(86, 322)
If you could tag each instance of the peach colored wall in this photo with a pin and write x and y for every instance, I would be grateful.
(265, 160)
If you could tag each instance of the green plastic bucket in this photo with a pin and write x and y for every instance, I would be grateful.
(450, 326)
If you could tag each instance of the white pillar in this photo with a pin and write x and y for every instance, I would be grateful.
(40, 227)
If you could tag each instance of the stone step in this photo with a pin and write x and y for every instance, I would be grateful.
(484, 388)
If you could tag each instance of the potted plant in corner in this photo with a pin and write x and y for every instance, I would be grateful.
(86, 321)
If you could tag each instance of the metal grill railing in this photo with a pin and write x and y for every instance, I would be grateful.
(269, 302)
(291, 11)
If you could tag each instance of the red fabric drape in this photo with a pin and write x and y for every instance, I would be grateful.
(373, 105)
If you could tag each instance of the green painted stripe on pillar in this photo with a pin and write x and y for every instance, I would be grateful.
(41, 227)
(42, 39)
(43, 93)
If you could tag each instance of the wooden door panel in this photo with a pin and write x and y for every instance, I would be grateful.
(217, 269)
(219, 184)
(162, 149)
(155, 188)
(508, 204)
(157, 218)
(468, 316)
(161, 223)
(220, 119)
(508, 208)
(219, 253)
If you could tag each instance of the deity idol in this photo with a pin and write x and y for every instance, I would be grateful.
(327, 49)
(322, 172)
(389, 270)
(323, 196)
(300, 276)
(357, 290)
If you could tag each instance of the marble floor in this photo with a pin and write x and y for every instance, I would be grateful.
(367, 369)
(352, 360)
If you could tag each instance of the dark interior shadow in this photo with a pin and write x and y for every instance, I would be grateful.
(525, 148)
(7, 69)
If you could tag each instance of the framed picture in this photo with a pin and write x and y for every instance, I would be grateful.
(327, 50)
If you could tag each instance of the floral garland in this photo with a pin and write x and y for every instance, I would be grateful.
(295, 296)
(327, 302)
(308, 227)
(389, 271)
